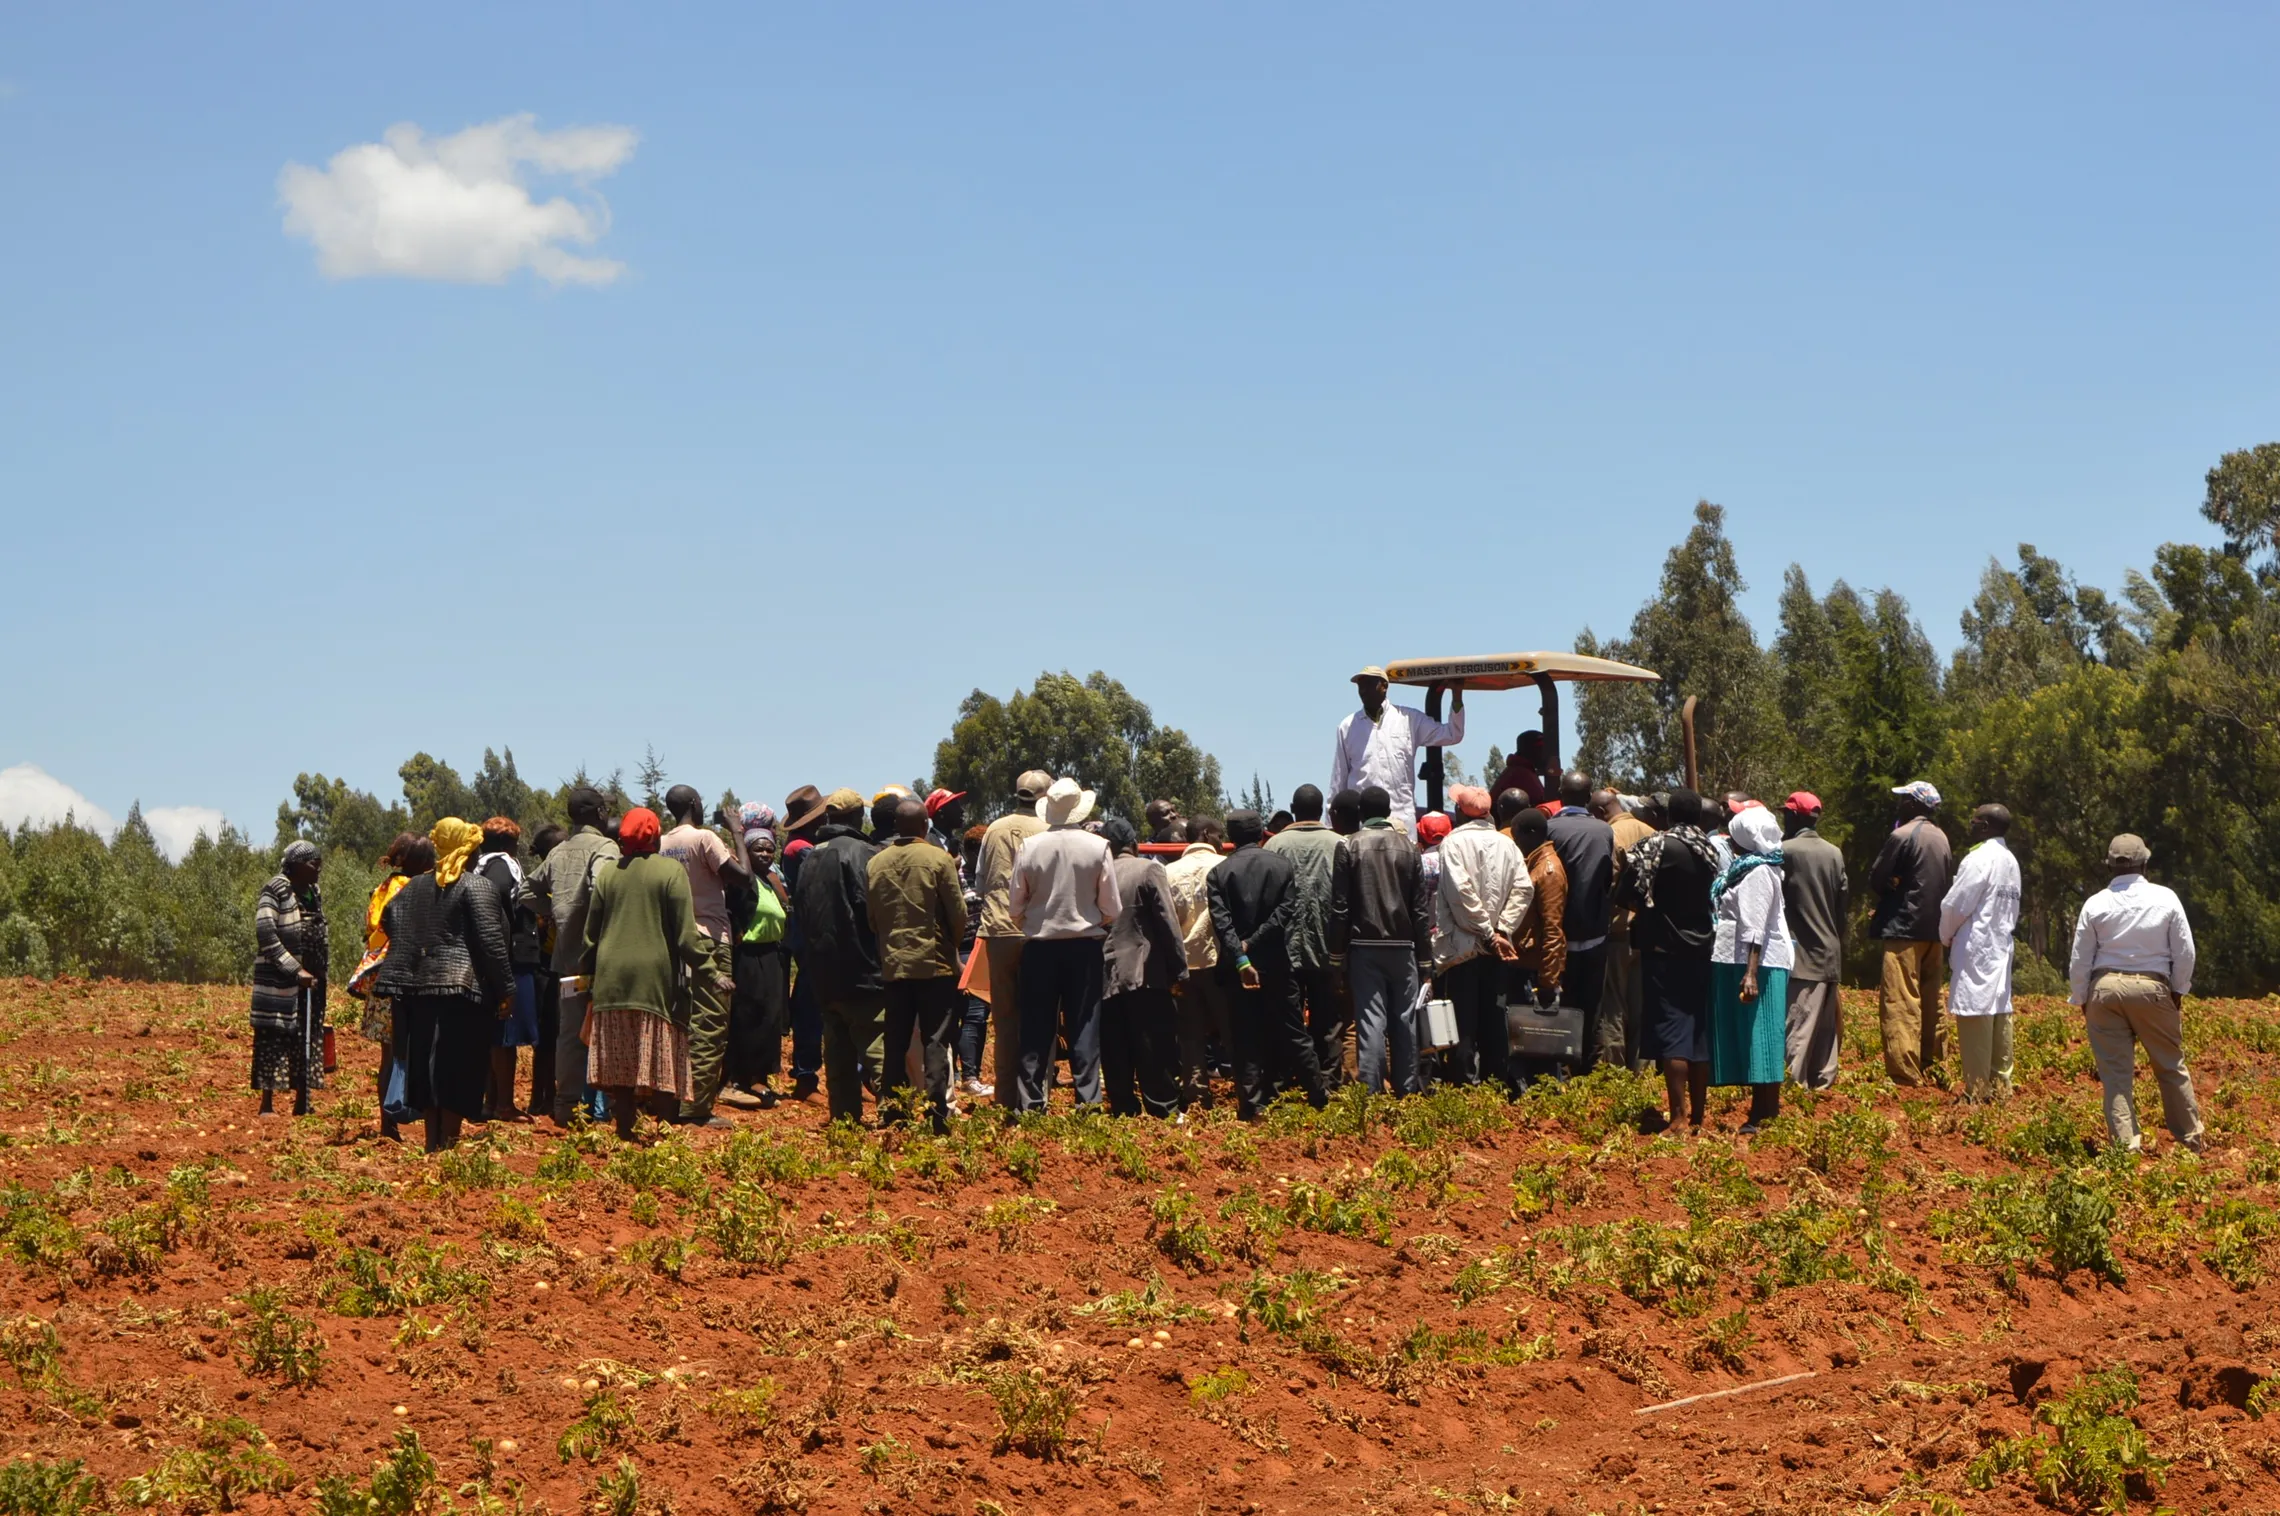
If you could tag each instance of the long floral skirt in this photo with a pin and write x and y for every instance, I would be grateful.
(638, 1050)
(290, 1058)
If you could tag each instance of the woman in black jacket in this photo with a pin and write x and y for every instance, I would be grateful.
(449, 977)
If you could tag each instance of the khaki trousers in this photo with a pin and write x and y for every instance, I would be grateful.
(2125, 1010)
(1815, 1026)
(1908, 1008)
(1985, 1042)
(1005, 1017)
(710, 987)
(1619, 1002)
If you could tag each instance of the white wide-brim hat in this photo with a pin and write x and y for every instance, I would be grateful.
(1066, 803)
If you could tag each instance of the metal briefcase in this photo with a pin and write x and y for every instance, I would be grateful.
(1439, 1025)
(1552, 1032)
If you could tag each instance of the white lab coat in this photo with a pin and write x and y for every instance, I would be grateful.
(1977, 917)
(1384, 752)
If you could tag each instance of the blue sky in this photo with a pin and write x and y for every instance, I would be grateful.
(1223, 348)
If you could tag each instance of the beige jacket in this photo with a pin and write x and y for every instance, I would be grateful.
(1190, 874)
(993, 879)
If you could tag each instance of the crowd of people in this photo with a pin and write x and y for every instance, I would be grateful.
(1538, 928)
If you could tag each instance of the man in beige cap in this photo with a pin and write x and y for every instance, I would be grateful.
(1378, 745)
(2132, 968)
(1001, 935)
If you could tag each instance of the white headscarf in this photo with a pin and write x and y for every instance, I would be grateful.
(1754, 831)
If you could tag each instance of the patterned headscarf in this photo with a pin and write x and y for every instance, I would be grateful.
(756, 819)
(1644, 861)
(639, 831)
(455, 842)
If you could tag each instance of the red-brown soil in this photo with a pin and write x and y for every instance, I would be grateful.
(900, 1289)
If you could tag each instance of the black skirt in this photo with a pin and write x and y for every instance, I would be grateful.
(1674, 1007)
(757, 1013)
(444, 1042)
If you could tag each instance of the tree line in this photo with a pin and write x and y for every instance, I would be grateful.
(2154, 709)
(72, 902)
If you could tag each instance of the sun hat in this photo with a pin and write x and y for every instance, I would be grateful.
(2128, 851)
(1372, 671)
(1066, 803)
(803, 807)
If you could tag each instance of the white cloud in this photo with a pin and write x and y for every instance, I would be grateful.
(30, 793)
(458, 208)
(177, 827)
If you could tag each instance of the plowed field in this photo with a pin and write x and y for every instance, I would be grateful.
(1452, 1303)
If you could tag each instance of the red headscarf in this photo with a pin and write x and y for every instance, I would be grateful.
(1432, 827)
(639, 831)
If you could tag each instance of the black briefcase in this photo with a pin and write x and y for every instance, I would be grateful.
(1550, 1032)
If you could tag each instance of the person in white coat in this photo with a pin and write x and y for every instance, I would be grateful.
(1378, 745)
(1977, 917)
(1480, 901)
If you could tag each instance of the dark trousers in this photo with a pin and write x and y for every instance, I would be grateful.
(1203, 1009)
(549, 1031)
(1269, 1025)
(1060, 997)
(807, 1029)
(849, 1029)
(1329, 1013)
(1475, 990)
(1140, 1046)
(1585, 987)
(930, 1008)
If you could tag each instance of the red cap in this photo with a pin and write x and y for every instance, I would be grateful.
(1432, 827)
(1803, 802)
(638, 832)
(940, 798)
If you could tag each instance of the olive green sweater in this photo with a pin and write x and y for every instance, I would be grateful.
(641, 927)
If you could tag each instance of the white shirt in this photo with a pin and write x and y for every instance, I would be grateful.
(1750, 915)
(1977, 917)
(1384, 752)
(1484, 892)
(2132, 926)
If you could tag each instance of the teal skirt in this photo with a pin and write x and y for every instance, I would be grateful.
(1748, 1040)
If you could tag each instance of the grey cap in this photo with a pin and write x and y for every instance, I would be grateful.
(2128, 851)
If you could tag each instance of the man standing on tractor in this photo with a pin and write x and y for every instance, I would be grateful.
(1378, 745)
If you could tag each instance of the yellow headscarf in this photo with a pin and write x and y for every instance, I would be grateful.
(455, 842)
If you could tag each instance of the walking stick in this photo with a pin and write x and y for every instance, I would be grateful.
(1686, 727)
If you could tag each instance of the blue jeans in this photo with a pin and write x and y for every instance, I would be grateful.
(973, 1026)
(1384, 985)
